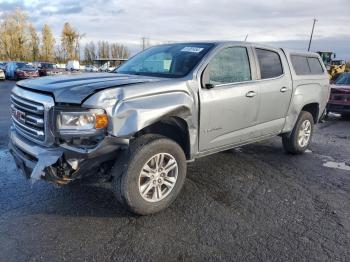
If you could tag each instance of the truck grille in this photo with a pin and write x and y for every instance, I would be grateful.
(29, 112)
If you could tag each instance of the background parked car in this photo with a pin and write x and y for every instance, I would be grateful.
(48, 69)
(106, 67)
(3, 65)
(91, 68)
(72, 65)
(20, 70)
(339, 101)
(2, 74)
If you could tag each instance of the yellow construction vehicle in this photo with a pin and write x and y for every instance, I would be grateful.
(334, 66)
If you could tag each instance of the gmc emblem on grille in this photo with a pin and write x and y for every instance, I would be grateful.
(19, 115)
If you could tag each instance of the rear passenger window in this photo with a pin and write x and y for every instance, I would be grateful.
(306, 65)
(270, 63)
(315, 66)
(300, 65)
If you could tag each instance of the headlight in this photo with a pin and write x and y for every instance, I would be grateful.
(90, 120)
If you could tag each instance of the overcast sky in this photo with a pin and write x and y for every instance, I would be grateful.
(285, 23)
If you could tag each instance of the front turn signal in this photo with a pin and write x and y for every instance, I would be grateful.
(101, 121)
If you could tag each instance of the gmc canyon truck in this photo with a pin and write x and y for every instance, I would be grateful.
(166, 106)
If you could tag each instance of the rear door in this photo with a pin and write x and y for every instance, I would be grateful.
(275, 90)
(229, 105)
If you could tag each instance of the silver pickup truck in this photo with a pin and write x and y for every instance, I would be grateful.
(166, 106)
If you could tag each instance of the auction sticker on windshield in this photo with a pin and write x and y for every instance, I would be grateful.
(192, 49)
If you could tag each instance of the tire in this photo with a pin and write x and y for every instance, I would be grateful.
(128, 182)
(292, 141)
(345, 116)
(326, 114)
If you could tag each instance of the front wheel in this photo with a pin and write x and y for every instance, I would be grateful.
(299, 139)
(150, 174)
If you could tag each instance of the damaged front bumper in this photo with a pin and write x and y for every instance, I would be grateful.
(61, 164)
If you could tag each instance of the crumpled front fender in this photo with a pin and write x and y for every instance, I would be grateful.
(132, 115)
(133, 108)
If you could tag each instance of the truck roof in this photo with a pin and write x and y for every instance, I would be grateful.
(300, 52)
(221, 42)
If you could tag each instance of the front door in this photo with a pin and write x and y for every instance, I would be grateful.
(229, 99)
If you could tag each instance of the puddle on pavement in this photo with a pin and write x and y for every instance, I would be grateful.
(342, 165)
(308, 151)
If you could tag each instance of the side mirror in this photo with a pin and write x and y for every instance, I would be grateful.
(206, 79)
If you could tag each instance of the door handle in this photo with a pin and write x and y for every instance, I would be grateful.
(284, 89)
(250, 94)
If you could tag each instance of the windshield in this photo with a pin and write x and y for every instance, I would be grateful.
(343, 80)
(48, 66)
(24, 65)
(173, 60)
(337, 62)
(326, 57)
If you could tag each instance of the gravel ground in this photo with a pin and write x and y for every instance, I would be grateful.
(253, 203)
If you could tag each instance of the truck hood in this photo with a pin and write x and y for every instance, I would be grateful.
(75, 88)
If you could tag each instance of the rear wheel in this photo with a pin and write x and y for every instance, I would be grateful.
(149, 176)
(297, 141)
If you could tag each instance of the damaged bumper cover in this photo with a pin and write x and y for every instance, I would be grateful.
(63, 163)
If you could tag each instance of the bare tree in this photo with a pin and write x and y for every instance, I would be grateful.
(103, 49)
(59, 54)
(119, 51)
(90, 52)
(48, 44)
(33, 44)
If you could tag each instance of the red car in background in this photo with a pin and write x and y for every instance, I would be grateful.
(339, 101)
(48, 69)
(20, 70)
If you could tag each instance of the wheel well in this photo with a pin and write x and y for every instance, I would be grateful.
(313, 109)
(174, 128)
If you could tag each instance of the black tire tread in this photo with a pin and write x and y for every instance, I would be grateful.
(289, 140)
(124, 165)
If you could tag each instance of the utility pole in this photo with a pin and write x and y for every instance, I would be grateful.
(312, 33)
(144, 43)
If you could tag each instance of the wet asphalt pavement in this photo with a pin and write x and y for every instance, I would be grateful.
(254, 203)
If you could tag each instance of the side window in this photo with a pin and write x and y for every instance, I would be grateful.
(315, 66)
(300, 65)
(230, 65)
(270, 63)
(306, 65)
